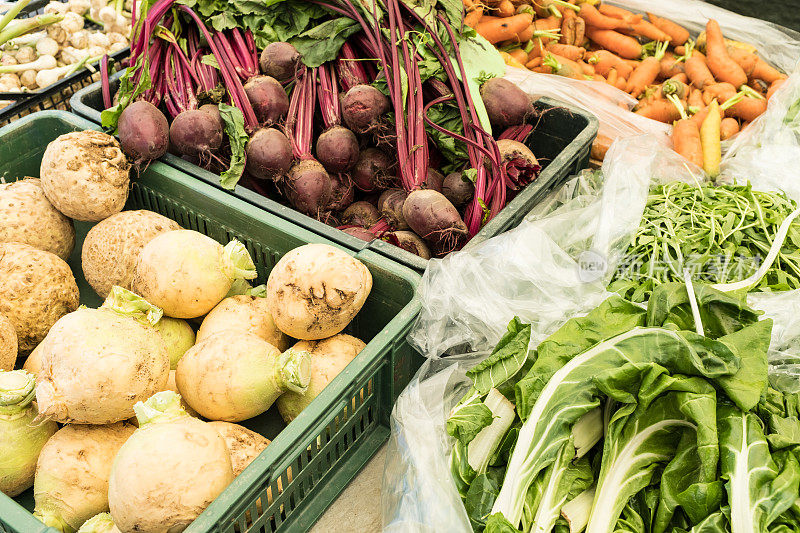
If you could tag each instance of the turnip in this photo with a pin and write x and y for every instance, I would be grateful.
(111, 248)
(434, 218)
(506, 104)
(178, 337)
(363, 107)
(268, 98)
(37, 289)
(390, 205)
(168, 471)
(21, 435)
(309, 187)
(337, 149)
(279, 60)
(85, 175)
(72, 473)
(235, 375)
(172, 385)
(248, 313)
(8, 344)
(186, 273)
(457, 189)
(372, 171)
(360, 233)
(410, 242)
(243, 445)
(143, 131)
(362, 214)
(314, 291)
(195, 133)
(99, 523)
(33, 363)
(520, 163)
(269, 154)
(97, 363)
(328, 358)
(27, 216)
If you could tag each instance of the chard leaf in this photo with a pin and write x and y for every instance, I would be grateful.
(749, 383)
(481, 495)
(468, 419)
(505, 360)
(322, 43)
(237, 136)
(498, 524)
(715, 523)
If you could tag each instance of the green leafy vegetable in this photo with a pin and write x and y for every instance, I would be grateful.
(237, 136)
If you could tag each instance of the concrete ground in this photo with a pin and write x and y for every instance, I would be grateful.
(358, 508)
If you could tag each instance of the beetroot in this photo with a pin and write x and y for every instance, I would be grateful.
(520, 163)
(458, 189)
(213, 110)
(433, 180)
(390, 205)
(337, 149)
(342, 192)
(410, 242)
(195, 133)
(362, 108)
(309, 187)
(268, 98)
(360, 233)
(362, 214)
(143, 131)
(372, 170)
(434, 218)
(269, 154)
(506, 104)
(279, 60)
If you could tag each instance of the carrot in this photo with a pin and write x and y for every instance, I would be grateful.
(677, 33)
(547, 25)
(604, 61)
(710, 140)
(596, 19)
(563, 66)
(743, 58)
(675, 87)
(471, 19)
(681, 77)
(506, 8)
(534, 63)
(611, 79)
(619, 13)
(748, 108)
(622, 45)
(670, 65)
(774, 86)
(495, 29)
(686, 141)
(519, 55)
(764, 71)
(537, 50)
(695, 99)
(622, 83)
(721, 91)
(575, 53)
(526, 35)
(587, 68)
(646, 30)
(600, 146)
(728, 128)
(646, 73)
(759, 86)
(659, 109)
(573, 29)
(719, 62)
(697, 70)
(680, 50)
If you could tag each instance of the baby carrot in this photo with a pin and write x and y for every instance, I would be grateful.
(596, 19)
(604, 61)
(677, 33)
(575, 53)
(686, 141)
(622, 45)
(710, 140)
(719, 62)
(495, 29)
(728, 128)
(721, 91)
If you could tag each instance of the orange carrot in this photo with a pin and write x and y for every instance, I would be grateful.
(728, 128)
(587, 68)
(548, 24)
(646, 30)
(680, 50)
(574, 53)
(744, 125)
(670, 65)
(622, 45)
(534, 63)
(619, 13)
(506, 8)
(611, 79)
(495, 29)
(600, 146)
(595, 77)
(563, 66)
(519, 54)
(622, 83)
(526, 35)
(604, 61)
(573, 29)
(747, 108)
(676, 87)
(701, 115)
(774, 86)
(743, 58)
(471, 19)
(721, 91)
(686, 141)
(596, 19)
(764, 71)
(695, 99)
(644, 75)
(719, 62)
(678, 34)
(681, 77)
(537, 50)
(659, 109)
(697, 70)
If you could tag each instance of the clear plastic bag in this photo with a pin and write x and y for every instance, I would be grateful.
(784, 349)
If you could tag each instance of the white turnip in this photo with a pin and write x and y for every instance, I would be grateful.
(21, 435)
(243, 445)
(168, 471)
(186, 273)
(85, 175)
(328, 358)
(235, 375)
(314, 291)
(143, 131)
(71, 483)
(27, 216)
(172, 385)
(8, 344)
(279, 60)
(33, 363)
(178, 337)
(97, 363)
(111, 248)
(244, 313)
(99, 523)
(37, 289)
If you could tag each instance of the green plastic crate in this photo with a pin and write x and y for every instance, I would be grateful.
(562, 141)
(338, 433)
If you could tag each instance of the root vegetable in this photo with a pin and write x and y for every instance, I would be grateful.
(37, 289)
(457, 189)
(279, 60)
(168, 471)
(178, 337)
(195, 133)
(99, 523)
(362, 214)
(8, 344)
(315, 290)
(410, 242)
(47, 47)
(235, 375)
(328, 358)
(33, 363)
(434, 218)
(337, 149)
(342, 192)
(520, 163)
(363, 107)
(85, 175)
(243, 445)
(243, 313)
(172, 385)
(72, 473)
(268, 98)
(28, 79)
(433, 180)
(372, 170)
(27, 216)
(360, 233)
(111, 248)
(21, 436)
(143, 131)
(97, 363)
(186, 273)
(506, 104)
(25, 54)
(309, 187)
(269, 154)
(390, 205)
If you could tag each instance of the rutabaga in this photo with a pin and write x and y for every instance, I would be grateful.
(21, 436)
(169, 471)
(100, 523)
